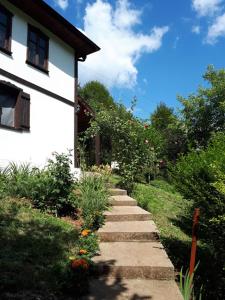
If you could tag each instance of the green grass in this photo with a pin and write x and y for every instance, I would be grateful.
(166, 206)
(34, 252)
(171, 212)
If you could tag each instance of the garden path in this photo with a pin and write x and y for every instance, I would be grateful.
(132, 263)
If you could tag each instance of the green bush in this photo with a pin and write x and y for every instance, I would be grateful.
(200, 176)
(50, 189)
(93, 200)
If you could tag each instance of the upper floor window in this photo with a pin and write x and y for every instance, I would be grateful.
(37, 49)
(5, 30)
(14, 107)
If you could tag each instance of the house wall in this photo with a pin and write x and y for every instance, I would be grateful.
(60, 79)
(51, 121)
(51, 129)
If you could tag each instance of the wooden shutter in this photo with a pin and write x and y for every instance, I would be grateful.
(24, 111)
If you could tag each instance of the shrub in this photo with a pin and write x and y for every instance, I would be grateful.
(49, 189)
(93, 200)
(200, 176)
(134, 144)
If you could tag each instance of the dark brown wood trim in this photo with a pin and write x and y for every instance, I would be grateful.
(76, 163)
(7, 47)
(8, 52)
(11, 128)
(37, 67)
(40, 34)
(35, 87)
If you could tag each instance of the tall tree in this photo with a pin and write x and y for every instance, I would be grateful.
(172, 129)
(162, 117)
(97, 95)
(204, 112)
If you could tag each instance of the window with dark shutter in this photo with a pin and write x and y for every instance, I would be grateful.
(37, 49)
(24, 111)
(14, 107)
(5, 30)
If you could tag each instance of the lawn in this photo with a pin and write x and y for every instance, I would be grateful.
(34, 253)
(167, 208)
(171, 213)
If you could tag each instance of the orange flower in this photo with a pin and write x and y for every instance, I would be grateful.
(79, 263)
(85, 232)
(82, 251)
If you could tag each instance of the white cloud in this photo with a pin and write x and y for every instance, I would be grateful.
(206, 7)
(216, 30)
(113, 29)
(196, 29)
(63, 4)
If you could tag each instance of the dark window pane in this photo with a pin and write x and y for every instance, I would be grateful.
(32, 52)
(42, 43)
(42, 57)
(37, 48)
(2, 36)
(3, 18)
(7, 108)
(33, 37)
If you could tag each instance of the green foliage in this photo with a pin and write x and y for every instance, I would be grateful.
(97, 95)
(93, 201)
(35, 254)
(172, 131)
(187, 285)
(162, 117)
(204, 112)
(49, 189)
(134, 143)
(200, 177)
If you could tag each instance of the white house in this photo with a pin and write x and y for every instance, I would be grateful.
(39, 54)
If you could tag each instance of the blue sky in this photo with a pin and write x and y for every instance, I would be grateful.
(151, 49)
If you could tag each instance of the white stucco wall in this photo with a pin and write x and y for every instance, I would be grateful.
(51, 121)
(60, 79)
(51, 129)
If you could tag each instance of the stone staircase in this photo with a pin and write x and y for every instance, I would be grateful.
(132, 263)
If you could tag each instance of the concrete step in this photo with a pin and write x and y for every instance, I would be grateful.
(127, 213)
(134, 260)
(116, 192)
(128, 231)
(133, 289)
(123, 200)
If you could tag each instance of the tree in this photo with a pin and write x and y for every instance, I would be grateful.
(162, 117)
(204, 112)
(171, 129)
(97, 95)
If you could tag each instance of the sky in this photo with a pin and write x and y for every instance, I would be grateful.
(153, 50)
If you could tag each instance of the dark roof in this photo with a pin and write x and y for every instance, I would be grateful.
(49, 18)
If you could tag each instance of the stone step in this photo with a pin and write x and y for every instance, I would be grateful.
(128, 231)
(134, 260)
(133, 289)
(116, 192)
(127, 213)
(123, 200)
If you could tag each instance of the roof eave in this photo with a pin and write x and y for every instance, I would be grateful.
(54, 22)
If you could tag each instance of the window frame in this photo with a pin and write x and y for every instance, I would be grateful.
(40, 35)
(8, 41)
(18, 107)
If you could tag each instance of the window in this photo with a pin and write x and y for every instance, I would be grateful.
(14, 107)
(37, 49)
(5, 30)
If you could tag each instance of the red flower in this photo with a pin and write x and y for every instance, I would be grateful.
(145, 126)
(79, 263)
